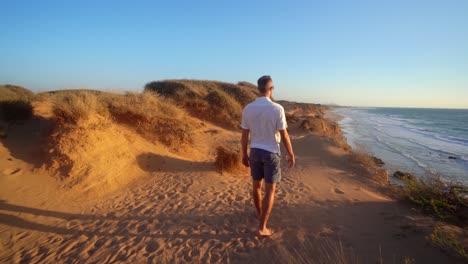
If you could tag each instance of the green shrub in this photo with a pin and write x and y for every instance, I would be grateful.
(448, 240)
(446, 201)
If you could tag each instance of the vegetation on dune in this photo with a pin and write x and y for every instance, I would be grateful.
(227, 160)
(448, 240)
(309, 250)
(446, 201)
(13, 92)
(153, 117)
(147, 113)
(370, 164)
(214, 101)
(77, 107)
(15, 103)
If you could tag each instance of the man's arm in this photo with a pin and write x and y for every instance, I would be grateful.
(287, 144)
(244, 143)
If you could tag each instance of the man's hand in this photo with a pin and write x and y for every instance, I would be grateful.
(287, 144)
(244, 143)
(291, 161)
(246, 160)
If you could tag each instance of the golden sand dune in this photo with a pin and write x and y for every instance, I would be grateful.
(103, 190)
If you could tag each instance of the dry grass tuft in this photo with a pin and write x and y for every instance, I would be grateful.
(213, 101)
(291, 118)
(363, 158)
(77, 108)
(13, 92)
(152, 117)
(314, 124)
(318, 125)
(149, 114)
(369, 166)
(310, 250)
(13, 111)
(227, 160)
(223, 108)
(15, 103)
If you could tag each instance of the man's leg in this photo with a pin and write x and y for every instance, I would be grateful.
(267, 205)
(257, 197)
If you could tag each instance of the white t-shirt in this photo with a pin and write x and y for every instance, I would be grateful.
(264, 119)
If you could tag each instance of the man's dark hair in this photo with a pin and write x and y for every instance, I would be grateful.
(262, 83)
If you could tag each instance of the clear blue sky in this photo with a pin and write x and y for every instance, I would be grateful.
(367, 53)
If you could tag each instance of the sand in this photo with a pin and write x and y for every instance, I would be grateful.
(175, 208)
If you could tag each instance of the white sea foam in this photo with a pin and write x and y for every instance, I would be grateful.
(409, 143)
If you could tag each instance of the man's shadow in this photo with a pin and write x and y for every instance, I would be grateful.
(153, 162)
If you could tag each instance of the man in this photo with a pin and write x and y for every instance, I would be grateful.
(265, 121)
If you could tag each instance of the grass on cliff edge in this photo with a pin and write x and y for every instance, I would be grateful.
(446, 201)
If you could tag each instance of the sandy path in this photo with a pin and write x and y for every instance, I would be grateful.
(189, 213)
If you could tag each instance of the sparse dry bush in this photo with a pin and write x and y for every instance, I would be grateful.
(170, 132)
(12, 111)
(242, 95)
(363, 157)
(291, 118)
(147, 113)
(366, 161)
(15, 103)
(340, 141)
(309, 250)
(13, 92)
(152, 117)
(224, 108)
(213, 101)
(132, 108)
(227, 160)
(174, 89)
(77, 108)
(314, 124)
(248, 85)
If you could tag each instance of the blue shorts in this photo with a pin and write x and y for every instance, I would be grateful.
(265, 165)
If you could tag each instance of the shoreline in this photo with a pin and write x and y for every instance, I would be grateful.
(377, 142)
(411, 186)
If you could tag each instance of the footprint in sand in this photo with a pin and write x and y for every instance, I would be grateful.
(339, 191)
(16, 171)
(152, 246)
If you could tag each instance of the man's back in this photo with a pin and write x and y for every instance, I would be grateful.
(264, 118)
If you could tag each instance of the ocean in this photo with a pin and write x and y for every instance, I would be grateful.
(424, 142)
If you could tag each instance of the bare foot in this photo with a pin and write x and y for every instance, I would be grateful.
(265, 232)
